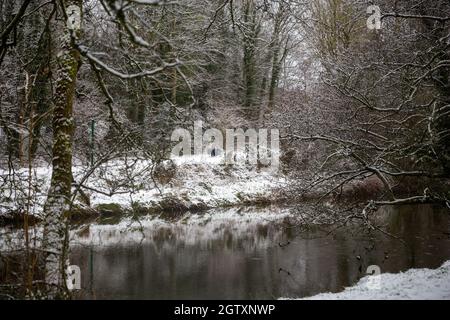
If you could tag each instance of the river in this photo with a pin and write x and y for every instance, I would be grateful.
(236, 256)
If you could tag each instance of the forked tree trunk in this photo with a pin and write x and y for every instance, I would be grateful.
(55, 242)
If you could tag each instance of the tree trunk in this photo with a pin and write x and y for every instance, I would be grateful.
(55, 240)
(249, 63)
(276, 70)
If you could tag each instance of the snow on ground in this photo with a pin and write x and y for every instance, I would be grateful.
(413, 284)
(200, 181)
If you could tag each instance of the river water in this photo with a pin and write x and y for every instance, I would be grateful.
(253, 255)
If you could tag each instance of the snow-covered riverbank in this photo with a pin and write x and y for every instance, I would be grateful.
(198, 182)
(413, 284)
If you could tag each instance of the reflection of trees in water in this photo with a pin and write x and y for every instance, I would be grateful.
(265, 262)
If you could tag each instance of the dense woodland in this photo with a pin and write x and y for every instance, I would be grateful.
(362, 113)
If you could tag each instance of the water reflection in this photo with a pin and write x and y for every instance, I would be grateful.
(261, 260)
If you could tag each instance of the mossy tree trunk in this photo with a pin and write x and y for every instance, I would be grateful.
(55, 240)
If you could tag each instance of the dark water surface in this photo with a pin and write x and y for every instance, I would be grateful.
(264, 262)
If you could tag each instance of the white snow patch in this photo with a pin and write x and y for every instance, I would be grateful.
(413, 284)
